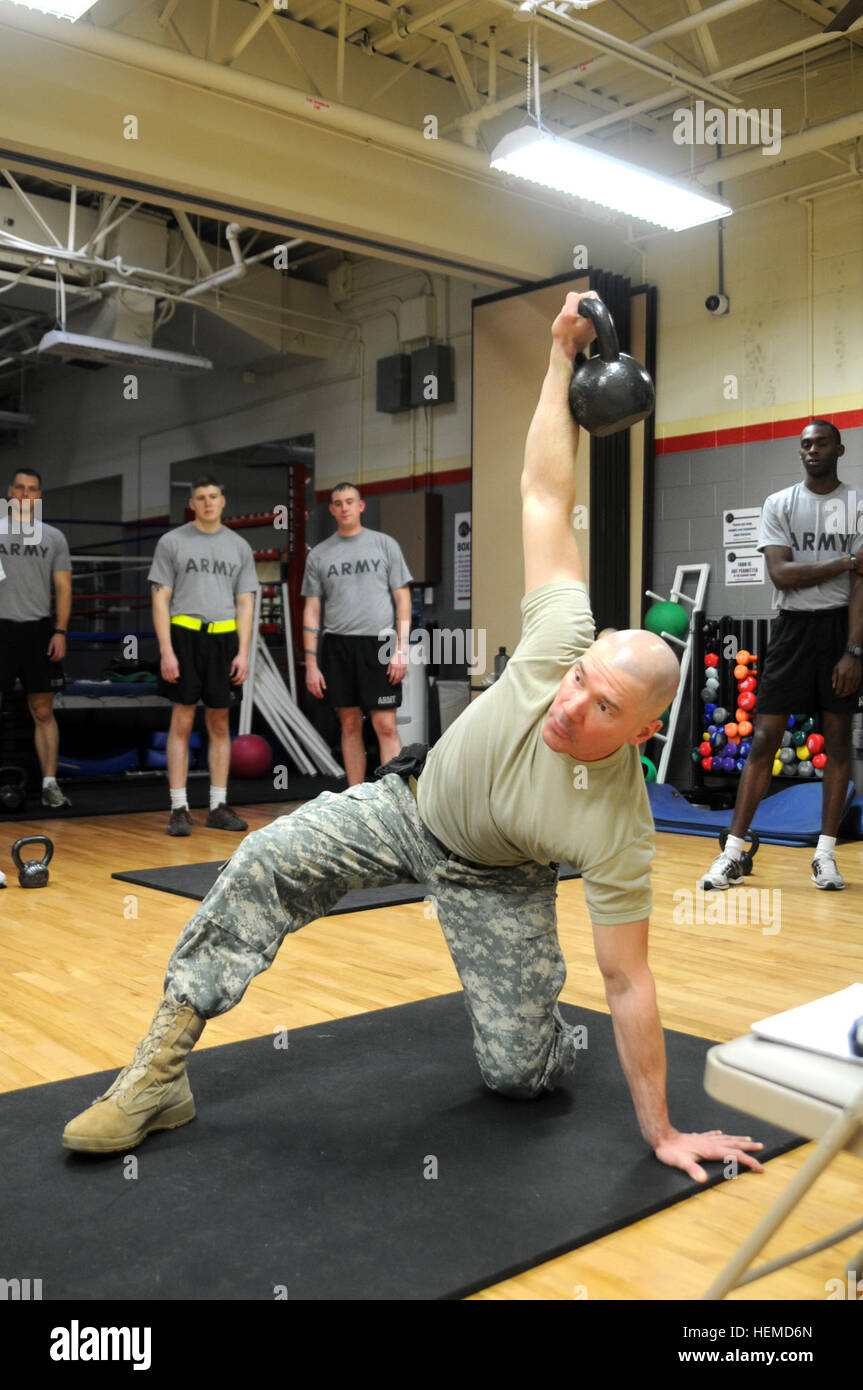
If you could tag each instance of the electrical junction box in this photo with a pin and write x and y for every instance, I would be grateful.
(394, 384)
(432, 380)
(417, 319)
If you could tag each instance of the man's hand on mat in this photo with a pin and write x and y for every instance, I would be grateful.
(683, 1150)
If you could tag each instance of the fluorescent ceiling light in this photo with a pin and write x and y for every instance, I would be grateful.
(542, 158)
(14, 419)
(64, 9)
(78, 347)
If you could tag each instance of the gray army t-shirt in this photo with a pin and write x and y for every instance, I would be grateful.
(816, 527)
(28, 568)
(355, 576)
(206, 570)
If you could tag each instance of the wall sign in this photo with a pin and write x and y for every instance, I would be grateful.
(744, 567)
(461, 566)
(740, 526)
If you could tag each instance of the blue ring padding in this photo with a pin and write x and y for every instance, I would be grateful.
(159, 740)
(104, 636)
(92, 767)
(112, 688)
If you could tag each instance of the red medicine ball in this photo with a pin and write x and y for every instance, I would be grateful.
(251, 756)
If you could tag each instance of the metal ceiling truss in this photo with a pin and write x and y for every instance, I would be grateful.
(398, 30)
(57, 262)
(224, 46)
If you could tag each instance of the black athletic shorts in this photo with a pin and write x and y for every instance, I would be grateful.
(205, 668)
(24, 657)
(797, 672)
(355, 675)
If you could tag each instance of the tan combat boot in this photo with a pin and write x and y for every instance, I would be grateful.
(151, 1093)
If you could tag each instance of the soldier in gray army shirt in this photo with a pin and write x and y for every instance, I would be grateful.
(359, 574)
(204, 582)
(34, 557)
(484, 821)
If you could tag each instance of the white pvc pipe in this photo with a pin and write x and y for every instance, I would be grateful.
(792, 147)
(289, 642)
(245, 725)
(285, 713)
(282, 732)
(270, 682)
(237, 271)
(305, 729)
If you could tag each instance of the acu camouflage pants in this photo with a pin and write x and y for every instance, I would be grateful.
(499, 923)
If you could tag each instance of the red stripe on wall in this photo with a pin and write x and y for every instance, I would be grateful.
(420, 482)
(754, 434)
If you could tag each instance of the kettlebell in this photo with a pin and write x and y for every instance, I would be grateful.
(13, 788)
(32, 873)
(612, 391)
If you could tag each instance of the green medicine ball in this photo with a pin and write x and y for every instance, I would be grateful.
(667, 617)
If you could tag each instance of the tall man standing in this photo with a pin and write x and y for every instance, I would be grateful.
(359, 574)
(816, 643)
(32, 646)
(204, 582)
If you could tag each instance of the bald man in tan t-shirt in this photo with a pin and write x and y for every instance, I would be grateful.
(543, 766)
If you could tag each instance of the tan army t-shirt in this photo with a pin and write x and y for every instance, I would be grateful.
(493, 792)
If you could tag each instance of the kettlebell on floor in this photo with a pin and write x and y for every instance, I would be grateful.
(32, 873)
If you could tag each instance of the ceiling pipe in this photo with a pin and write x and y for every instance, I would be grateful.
(808, 142)
(416, 26)
(21, 323)
(473, 119)
(77, 260)
(183, 67)
(237, 271)
(660, 68)
(760, 61)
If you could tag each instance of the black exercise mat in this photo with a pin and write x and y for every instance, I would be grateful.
(196, 880)
(304, 1173)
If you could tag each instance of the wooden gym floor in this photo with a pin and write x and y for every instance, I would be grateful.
(80, 977)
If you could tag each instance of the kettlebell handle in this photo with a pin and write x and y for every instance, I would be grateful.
(606, 333)
(32, 840)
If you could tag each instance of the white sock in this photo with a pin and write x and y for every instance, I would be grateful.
(49, 782)
(826, 845)
(218, 796)
(178, 799)
(735, 846)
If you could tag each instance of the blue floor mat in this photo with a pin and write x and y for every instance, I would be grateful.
(791, 817)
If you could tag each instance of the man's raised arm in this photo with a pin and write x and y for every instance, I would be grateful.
(548, 479)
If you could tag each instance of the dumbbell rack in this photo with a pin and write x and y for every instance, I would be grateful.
(750, 634)
(682, 575)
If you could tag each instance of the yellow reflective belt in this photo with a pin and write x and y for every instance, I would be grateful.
(196, 624)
